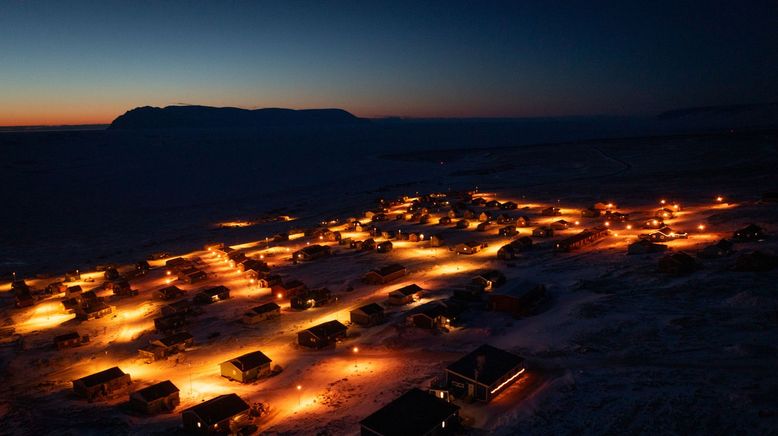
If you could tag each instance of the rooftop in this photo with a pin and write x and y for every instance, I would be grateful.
(413, 413)
(486, 364)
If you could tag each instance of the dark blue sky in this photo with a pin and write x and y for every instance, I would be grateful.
(78, 62)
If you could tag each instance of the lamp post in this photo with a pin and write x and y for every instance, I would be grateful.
(299, 398)
(355, 350)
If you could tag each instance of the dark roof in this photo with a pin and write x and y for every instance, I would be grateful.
(157, 391)
(219, 409)
(517, 289)
(315, 249)
(67, 337)
(253, 264)
(176, 262)
(413, 413)
(371, 308)
(101, 377)
(250, 360)
(170, 290)
(494, 364)
(265, 308)
(327, 329)
(409, 290)
(176, 338)
(432, 309)
(389, 269)
(216, 290)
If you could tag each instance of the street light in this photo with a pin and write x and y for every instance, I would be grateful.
(299, 400)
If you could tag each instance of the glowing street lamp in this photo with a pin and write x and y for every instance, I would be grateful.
(719, 199)
(701, 227)
(299, 398)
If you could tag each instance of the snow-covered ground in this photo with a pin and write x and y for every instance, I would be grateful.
(620, 349)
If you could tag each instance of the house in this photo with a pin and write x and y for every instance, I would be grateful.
(509, 205)
(384, 247)
(751, 232)
(93, 311)
(489, 279)
(168, 293)
(663, 234)
(367, 245)
(560, 225)
(425, 219)
(493, 203)
(385, 274)
(720, 249)
(289, 288)
(67, 340)
(446, 220)
(484, 216)
(322, 335)
(551, 211)
(73, 291)
(437, 240)
(590, 212)
(177, 263)
(269, 281)
(261, 313)
(677, 264)
(543, 232)
(159, 349)
(55, 288)
(312, 298)
(463, 224)
(193, 276)
(405, 295)
(586, 237)
(157, 398)
(312, 252)
(72, 276)
(523, 221)
(512, 250)
(616, 216)
(121, 288)
(519, 299)
(664, 214)
(756, 261)
(170, 323)
(413, 413)
(415, 237)
(220, 415)
(368, 315)
(431, 315)
(508, 231)
(181, 307)
(253, 265)
(478, 201)
(102, 385)
(484, 373)
(504, 218)
(644, 246)
(469, 247)
(246, 368)
(388, 234)
(484, 226)
(212, 295)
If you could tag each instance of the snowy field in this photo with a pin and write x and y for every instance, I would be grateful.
(620, 348)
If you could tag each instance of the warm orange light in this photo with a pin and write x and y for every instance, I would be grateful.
(299, 387)
(662, 201)
(577, 222)
(355, 349)
(279, 295)
(719, 199)
(629, 226)
(701, 227)
(168, 272)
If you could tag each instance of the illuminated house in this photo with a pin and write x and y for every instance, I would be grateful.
(102, 385)
(444, 220)
(518, 299)
(261, 313)
(551, 211)
(246, 368)
(157, 398)
(664, 234)
(590, 212)
(484, 226)
(170, 323)
(368, 315)
(664, 213)
(523, 221)
(384, 247)
(504, 218)
(493, 203)
(181, 307)
(509, 205)
(413, 413)
(543, 232)
(312, 298)
(487, 280)
(385, 274)
(367, 245)
(484, 216)
(581, 239)
(437, 240)
(484, 373)
(253, 265)
(508, 231)
(478, 201)
(212, 295)
(559, 225)
(67, 340)
(312, 252)
(431, 315)
(463, 224)
(289, 288)
(193, 275)
(405, 295)
(322, 335)
(93, 311)
(159, 349)
(469, 247)
(220, 415)
(752, 232)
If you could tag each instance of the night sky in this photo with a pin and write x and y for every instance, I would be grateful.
(87, 62)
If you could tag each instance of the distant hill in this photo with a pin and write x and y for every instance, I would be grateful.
(205, 117)
(729, 116)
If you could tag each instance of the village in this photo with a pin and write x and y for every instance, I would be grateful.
(399, 319)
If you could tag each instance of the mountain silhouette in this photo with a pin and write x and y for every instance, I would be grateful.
(206, 117)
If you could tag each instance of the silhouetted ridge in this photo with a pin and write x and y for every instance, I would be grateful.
(205, 117)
